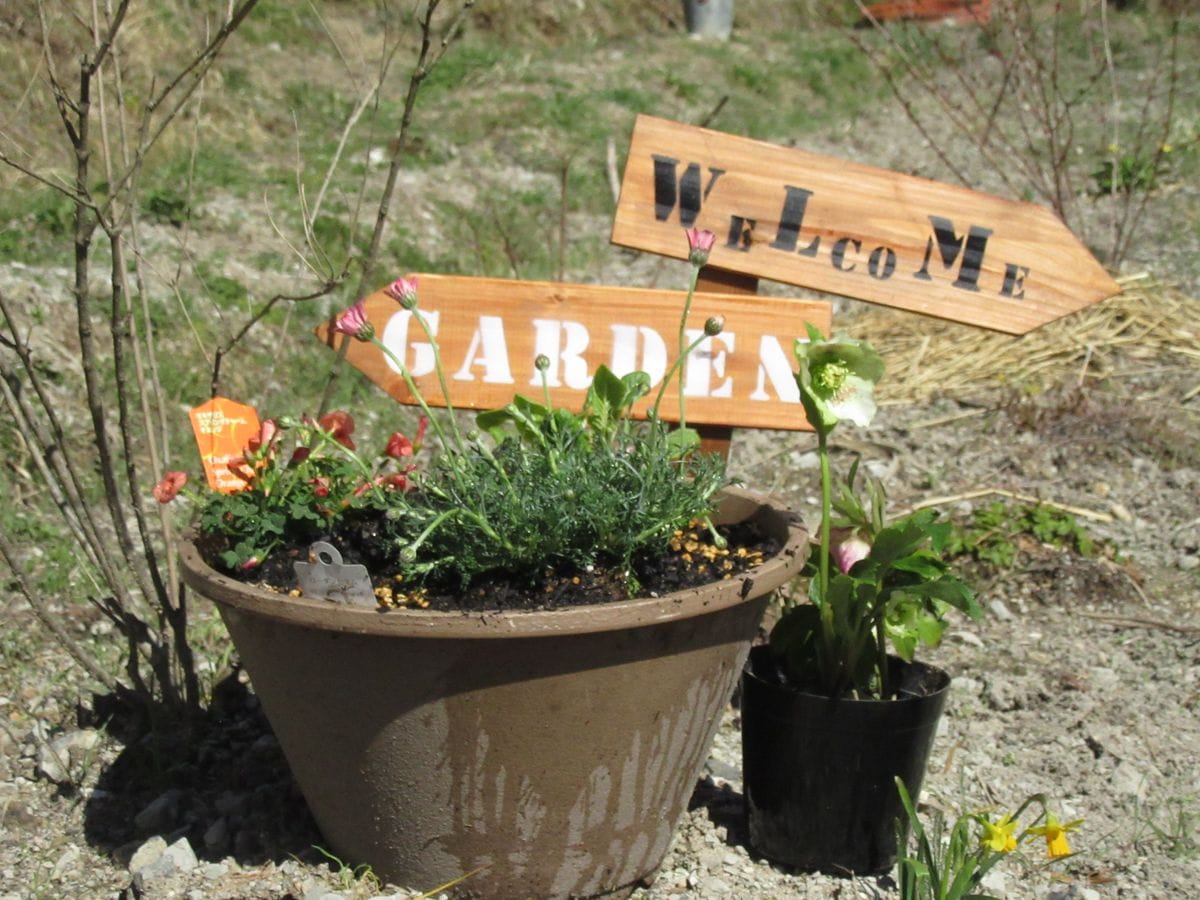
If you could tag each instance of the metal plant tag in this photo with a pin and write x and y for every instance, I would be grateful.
(324, 577)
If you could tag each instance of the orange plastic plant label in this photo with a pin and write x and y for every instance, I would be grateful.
(223, 428)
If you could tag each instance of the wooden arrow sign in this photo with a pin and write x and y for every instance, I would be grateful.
(490, 330)
(849, 229)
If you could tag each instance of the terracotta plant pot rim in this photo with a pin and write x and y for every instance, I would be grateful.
(735, 504)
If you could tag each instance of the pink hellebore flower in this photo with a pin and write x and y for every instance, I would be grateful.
(353, 322)
(700, 244)
(846, 553)
(168, 489)
(403, 291)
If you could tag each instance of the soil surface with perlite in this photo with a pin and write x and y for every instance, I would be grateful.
(692, 558)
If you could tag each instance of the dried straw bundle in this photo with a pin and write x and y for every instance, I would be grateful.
(1148, 322)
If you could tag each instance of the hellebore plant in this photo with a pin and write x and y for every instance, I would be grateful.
(875, 584)
(533, 489)
(940, 864)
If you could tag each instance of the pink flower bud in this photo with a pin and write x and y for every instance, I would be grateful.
(700, 244)
(846, 553)
(403, 291)
(353, 322)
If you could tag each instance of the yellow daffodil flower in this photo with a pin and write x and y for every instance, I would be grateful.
(1055, 833)
(999, 835)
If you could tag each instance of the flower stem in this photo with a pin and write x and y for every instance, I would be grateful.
(441, 376)
(684, 350)
(418, 396)
(826, 510)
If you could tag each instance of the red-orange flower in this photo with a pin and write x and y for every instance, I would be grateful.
(267, 432)
(398, 446)
(340, 425)
(241, 469)
(168, 489)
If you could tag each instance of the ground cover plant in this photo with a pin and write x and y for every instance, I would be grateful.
(255, 212)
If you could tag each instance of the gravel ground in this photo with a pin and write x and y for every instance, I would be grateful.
(1081, 682)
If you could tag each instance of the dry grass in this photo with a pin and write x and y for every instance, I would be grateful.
(1149, 324)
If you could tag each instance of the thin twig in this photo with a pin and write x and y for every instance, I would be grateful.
(1012, 495)
(1142, 622)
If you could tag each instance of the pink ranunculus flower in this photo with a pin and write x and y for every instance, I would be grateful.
(700, 244)
(849, 551)
(353, 322)
(168, 489)
(403, 291)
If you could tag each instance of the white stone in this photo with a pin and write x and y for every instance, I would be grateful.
(146, 854)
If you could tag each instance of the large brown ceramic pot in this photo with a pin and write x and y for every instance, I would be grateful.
(550, 753)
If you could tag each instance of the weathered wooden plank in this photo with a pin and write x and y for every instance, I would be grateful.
(849, 229)
(490, 331)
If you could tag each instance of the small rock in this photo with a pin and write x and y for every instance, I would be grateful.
(723, 770)
(1188, 562)
(147, 853)
(160, 813)
(175, 859)
(321, 892)
(1000, 611)
(68, 859)
(996, 883)
(217, 834)
(1128, 780)
(54, 758)
(1120, 512)
(965, 684)
(967, 637)
(214, 871)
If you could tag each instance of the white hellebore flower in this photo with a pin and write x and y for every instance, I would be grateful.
(837, 379)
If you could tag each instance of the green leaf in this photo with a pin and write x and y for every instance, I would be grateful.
(524, 414)
(682, 441)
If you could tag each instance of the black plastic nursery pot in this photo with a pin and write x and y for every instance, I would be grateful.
(819, 773)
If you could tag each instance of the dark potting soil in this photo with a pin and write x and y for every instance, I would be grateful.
(692, 559)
